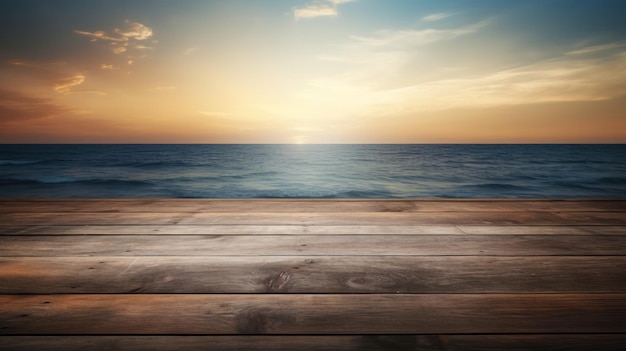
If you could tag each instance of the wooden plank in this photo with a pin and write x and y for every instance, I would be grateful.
(362, 274)
(543, 230)
(240, 230)
(305, 205)
(318, 218)
(313, 245)
(307, 230)
(541, 342)
(312, 314)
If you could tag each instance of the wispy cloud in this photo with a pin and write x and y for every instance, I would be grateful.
(129, 37)
(371, 86)
(597, 48)
(36, 65)
(436, 17)
(56, 75)
(132, 30)
(320, 8)
(100, 35)
(15, 106)
(558, 80)
(143, 47)
(416, 37)
(65, 85)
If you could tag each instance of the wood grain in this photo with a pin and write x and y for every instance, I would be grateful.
(309, 230)
(542, 342)
(304, 205)
(312, 314)
(302, 274)
(319, 218)
(328, 274)
(312, 245)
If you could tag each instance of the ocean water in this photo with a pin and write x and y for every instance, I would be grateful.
(313, 171)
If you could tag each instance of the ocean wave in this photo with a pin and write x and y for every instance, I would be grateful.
(612, 181)
(497, 186)
(17, 162)
(258, 171)
(39, 180)
(65, 180)
(151, 164)
(572, 185)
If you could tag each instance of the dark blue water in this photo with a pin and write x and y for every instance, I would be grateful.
(314, 171)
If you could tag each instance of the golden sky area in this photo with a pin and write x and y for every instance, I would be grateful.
(313, 71)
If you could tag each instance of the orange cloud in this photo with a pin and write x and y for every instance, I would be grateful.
(65, 85)
(100, 35)
(15, 106)
(125, 39)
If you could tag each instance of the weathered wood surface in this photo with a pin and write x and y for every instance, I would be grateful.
(337, 245)
(303, 205)
(328, 274)
(164, 274)
(318, 218)
(309, 230)
(313, 314)
(542, 342)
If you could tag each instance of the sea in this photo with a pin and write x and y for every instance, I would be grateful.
(313, 171)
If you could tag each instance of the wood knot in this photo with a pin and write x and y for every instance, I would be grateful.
(278, 282)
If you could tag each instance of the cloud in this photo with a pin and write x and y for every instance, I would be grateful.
(143, 47)
(32, 64)
(15, 106)
(135, 31)
(131, 36)
(107, 66)
(56, 75)
(597, 48)
(320, 8)
(414, 37)
(383, 76)
(436, 17)
(100, 35)
(65, 85)
(315, 11)
(560, 80)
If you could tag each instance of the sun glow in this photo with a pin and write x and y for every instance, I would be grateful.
(327, 71)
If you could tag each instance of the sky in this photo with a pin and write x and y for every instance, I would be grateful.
(312, 71)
